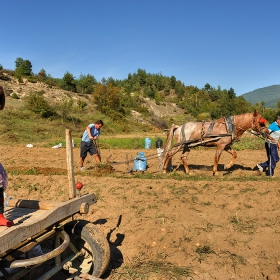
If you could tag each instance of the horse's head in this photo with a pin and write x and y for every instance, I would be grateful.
(258, 124)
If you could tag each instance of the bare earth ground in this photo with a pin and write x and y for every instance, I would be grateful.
(222, 228)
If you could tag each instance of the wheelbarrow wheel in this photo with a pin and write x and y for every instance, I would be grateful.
(88, 240)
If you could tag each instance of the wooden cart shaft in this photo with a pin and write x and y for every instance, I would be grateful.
(30, 221)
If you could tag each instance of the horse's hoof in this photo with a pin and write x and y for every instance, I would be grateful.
(215, 173)
(227, 166)
(164, 171)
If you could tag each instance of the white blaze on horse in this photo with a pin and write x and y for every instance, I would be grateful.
(220, 133)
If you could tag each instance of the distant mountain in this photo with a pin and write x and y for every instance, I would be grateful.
(269, 95)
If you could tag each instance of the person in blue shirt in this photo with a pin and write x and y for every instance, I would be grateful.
(272, 146)
(91, 133)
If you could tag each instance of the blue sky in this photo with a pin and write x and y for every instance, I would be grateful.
(226, 43)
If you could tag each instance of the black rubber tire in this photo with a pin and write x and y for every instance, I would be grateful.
(90, 238)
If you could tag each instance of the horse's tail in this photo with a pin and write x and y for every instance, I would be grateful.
(168, 143)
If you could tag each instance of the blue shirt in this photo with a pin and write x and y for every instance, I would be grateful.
(94, 132)
(274, 130)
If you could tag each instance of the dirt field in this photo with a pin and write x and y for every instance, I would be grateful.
(224, 227)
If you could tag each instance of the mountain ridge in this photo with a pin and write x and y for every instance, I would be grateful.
(270, 95)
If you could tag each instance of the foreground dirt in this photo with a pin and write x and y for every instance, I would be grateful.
(226, 227)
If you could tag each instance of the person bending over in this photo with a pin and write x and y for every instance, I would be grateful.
(91, 134)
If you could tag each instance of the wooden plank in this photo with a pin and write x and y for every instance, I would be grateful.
(202, 139)
(34, 223)
(19, 215)
(32, 204)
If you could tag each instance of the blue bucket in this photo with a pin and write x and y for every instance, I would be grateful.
(140, 162)
(148, 143)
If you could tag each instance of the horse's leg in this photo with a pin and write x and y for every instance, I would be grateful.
(234, 156)
(169, 155)
(184, 156)
(217, 158)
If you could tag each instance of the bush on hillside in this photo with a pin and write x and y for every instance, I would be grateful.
(14, 96)
(37, 104)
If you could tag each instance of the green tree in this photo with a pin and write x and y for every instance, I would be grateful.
(142, 75)
(207, 87)
(263, 106)
(68, 82)
(23, 67)
(18, 62)
(231, 94)
(85, 84)
(227, 103)
(42, 75)
(108, 100)
(172, 82)
(26, 68)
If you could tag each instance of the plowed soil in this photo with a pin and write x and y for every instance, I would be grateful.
(224, 227)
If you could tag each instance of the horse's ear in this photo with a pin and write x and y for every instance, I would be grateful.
(255, 113)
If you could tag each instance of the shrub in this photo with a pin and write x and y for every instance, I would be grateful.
(32, 79)
(203, 117)
(14, 95)
(37, 104)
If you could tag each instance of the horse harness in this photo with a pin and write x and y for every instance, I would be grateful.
(230, 128)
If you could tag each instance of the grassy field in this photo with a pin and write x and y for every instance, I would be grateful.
(20, 127)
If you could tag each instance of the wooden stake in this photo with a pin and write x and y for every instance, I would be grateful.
(70, 164)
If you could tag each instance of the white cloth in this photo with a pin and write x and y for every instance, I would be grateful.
(57, 146)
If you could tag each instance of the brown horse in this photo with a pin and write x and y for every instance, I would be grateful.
(220, 133)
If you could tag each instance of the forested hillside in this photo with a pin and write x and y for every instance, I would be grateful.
(119, 98)
(267, 96)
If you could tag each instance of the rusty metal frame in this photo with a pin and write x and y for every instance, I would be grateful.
(32, 263)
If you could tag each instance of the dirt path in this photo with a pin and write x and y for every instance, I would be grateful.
(223, 228)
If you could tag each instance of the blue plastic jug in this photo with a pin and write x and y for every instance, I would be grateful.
(148, 143)
(140, 162)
